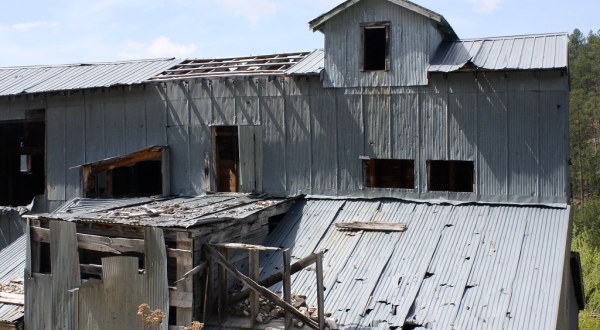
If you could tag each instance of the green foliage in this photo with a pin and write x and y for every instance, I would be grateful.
(584, 63)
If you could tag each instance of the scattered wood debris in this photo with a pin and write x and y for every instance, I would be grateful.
(372, 226)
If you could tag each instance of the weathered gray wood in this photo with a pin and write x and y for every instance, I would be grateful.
(249, 247)
(277, 277)
(196, 270)
(372, 226)
(184, 266)
(220, 259)
(223, 283)
(254, 272)
(287, 285)
(320, 290)
(12, 298)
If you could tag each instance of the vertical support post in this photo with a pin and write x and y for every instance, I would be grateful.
(184, 265)
(166, 172)
(254, 275)
(223, 284)
(320, 290)
(287, 285)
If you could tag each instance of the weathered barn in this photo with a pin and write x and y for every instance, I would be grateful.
(396, 120)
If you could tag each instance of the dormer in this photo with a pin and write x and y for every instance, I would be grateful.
(372, 43)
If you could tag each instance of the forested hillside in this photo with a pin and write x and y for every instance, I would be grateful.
(584, 57)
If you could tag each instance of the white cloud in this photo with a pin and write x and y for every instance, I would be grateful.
(486, 6)
(253, 11)
(159, 47)
(26, 26)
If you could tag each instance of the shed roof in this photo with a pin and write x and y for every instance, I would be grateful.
(527, 52)
(12, 259)
(181, 212)
(317, 23)
(456, 266)
(53, 78)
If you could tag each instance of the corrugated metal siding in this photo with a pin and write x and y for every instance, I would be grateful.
(463, 266)
(64, 262)
(20, 80)
(411, 37)
(544, 51)
(312, 137)
(156, 285)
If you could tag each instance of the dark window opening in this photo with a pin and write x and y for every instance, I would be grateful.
(226, 151)
(22, 161)
(389, 173)
(376, 47)
(136, 174)
(45, 266)
(451, 175)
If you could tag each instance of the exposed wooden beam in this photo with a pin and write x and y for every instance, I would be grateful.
(12, 298)
(258, 288)
(372, 226)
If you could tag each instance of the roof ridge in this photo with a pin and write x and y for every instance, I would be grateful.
(533, 35)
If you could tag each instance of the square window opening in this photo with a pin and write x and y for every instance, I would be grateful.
(389, 173)
(451, 175)
(375, 47)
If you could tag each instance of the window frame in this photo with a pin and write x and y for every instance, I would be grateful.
(372, 181)
(449, 183)
(375, 25)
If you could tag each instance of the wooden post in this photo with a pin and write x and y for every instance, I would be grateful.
(320, 290)
(254, 275)
(184, 265)
(287, 285)
(223, 283)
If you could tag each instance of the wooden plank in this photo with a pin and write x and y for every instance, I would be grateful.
(181, 299)
(254, 272)
(372, 226)
(250, 247)
(220, 259)
(320, 290)
(223, 283)
(287, 285)
(12, 298)
(198, 269)
(106, 244)
(275, 278)
(184, 265)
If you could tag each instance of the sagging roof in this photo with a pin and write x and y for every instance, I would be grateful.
(53, 78)
(261, 65)
(181, 212)
(528, 52)
(12, 259)
(456, 266)
(317, 23)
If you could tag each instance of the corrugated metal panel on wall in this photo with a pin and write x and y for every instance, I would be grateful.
(412, 37)
(155, 291)
(65, 273)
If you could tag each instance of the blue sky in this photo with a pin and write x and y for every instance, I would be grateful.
(75, 31)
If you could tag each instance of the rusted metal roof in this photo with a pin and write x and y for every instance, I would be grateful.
(528, 52)
(53, 78)
(468, 266)
(261, 65)
(183, 212)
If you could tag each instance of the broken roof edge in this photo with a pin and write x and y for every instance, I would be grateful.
(563, 206)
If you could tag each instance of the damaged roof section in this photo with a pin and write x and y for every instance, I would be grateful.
(261, 65)
(456, 266)
(181, 212)
(544, 51)
(12, 259)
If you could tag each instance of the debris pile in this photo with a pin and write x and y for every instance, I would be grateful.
(14, 287)
(269, 311)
